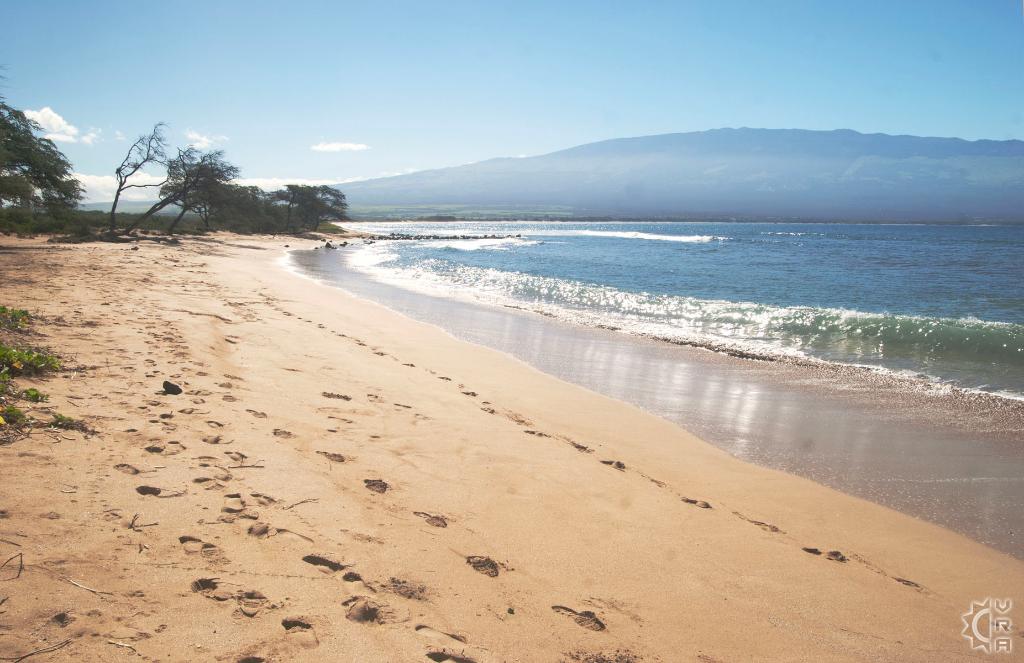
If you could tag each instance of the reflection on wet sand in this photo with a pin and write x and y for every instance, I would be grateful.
(955, 463)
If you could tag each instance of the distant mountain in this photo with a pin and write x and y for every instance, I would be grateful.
(793, 173)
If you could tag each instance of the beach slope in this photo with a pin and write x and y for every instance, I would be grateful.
(338, 482)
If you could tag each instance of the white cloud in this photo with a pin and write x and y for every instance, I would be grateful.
(92, 137)
(100, 188)
(119, 135)
(56, 127)
(339, 147)
(203, 142)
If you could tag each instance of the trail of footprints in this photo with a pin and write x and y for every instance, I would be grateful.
(359, 608)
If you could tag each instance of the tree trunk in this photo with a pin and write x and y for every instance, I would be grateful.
(174, 224)
(288, 218)
(113, 210)
(150, 212)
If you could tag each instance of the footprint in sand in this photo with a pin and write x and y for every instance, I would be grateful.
(251, 602)
(698, 503)
(406, 589)
(166, 449)
(210, 588)
(376, 485)
(257, 414)
(300, 630)
(768, 527)
(208, 483)
(126, 468)
(325, 564)
(329, 394)
(333, 457)
(364, 610)
(235, 507)
(434, 634)
(280, 432)
(619, 465)
(236, 456)
(443, 656)
(585, 618)
(908, 583)
(214, 424)
(263, 499)
(432, 520)
(484, 565)
(157, 492)
(193, 545)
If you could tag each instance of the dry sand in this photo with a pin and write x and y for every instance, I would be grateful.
(340, 483)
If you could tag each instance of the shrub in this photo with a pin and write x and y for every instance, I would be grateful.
(26, 362)
(34, 395)
(13, 318)
(12, 416)
(67, 423)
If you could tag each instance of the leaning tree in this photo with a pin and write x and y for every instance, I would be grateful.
(187, 174)
(148, 149)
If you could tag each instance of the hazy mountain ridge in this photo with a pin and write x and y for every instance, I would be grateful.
(838, 174)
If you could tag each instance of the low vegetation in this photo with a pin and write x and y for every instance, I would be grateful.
(68, 423)
(16, 362)
(13, 318)
(197, 193)
(34, 395)
(16, 401)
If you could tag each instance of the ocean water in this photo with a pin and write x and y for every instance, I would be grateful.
(940, 305)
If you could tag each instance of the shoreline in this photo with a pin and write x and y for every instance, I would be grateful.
(615, 531)
(911, 371)
(949, 460)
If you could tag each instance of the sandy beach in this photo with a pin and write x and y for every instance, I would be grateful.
(338, 482)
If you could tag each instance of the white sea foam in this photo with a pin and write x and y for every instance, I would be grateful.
(485, 244)
(697, 239)
(741, 328)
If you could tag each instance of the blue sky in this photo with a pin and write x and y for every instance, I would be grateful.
(423, 85)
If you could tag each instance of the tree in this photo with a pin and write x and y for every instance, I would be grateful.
(146, 150)
(238, 208)
(33, 172)
(188, 174)
(310, 206)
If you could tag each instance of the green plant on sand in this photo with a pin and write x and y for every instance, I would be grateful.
(15, 361)
(13, 318)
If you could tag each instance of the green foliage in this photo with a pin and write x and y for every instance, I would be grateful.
(66, 423)
(34, 395)
(13, 318)
(33, 172)
(14, 361)
(13, 416)
(309, 206)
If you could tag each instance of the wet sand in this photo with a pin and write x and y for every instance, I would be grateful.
(958, 462)
(340, 482)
